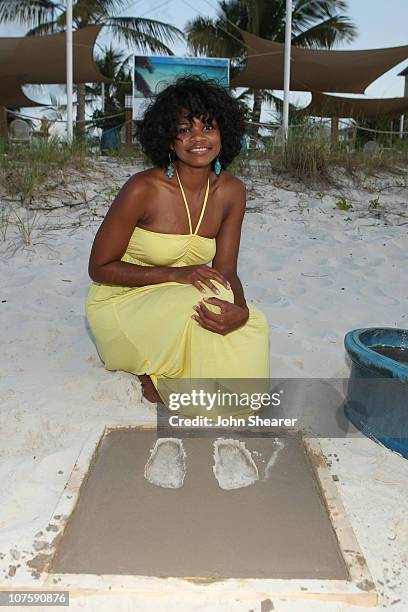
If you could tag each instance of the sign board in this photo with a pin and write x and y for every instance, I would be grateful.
(152, 74)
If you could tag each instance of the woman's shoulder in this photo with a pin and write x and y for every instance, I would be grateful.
(231, 183)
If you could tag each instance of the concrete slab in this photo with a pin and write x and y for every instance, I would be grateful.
(276, 528)
(295, 471)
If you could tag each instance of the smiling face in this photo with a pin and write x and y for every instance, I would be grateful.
(198, 141)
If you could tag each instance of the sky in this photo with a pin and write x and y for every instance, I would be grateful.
(380, 24)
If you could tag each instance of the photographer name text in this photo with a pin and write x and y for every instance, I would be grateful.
(230, 421)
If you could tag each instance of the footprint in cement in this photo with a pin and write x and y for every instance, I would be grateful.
(166, 466)
(233, 464)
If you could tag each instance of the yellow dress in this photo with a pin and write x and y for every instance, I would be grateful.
(149, 329)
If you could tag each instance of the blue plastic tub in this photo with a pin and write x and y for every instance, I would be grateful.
(377, 393)
(110, 138)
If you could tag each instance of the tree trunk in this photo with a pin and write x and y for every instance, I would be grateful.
(334, 132)
(3, 123)
(256, 111)
(80, 115)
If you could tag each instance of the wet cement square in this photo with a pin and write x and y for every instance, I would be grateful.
(277, 527)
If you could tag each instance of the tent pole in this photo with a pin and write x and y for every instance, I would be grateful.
(69, 72)
(286, 78)
(402, 116)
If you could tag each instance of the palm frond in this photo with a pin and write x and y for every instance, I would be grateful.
(245, 96)
(45, 28)
(235, 12)
(214, 38)
(27, 12)
(106, 7)
(57, 108)
(327, 33)
(307, 14)
(126, 63)
(254, 8)
(151, 28)
(138, 40)
(113, 62)
(205, 37)
(309, 11)
(270, 98)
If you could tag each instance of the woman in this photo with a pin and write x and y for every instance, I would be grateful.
(157, 308)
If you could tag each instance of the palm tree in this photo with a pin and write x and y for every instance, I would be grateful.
(116, 66)
(49, 16)
(315, 23)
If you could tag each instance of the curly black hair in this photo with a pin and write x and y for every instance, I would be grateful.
(202, 98)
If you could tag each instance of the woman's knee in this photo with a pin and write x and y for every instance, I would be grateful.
(260, 317)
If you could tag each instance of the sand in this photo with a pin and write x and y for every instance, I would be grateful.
(316, 272)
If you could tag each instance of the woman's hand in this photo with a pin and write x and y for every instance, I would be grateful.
(231, 316)
(199, 276)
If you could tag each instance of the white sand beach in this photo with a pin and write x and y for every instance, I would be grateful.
(315, 270)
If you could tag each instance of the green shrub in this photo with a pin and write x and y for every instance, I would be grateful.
(307, 152)
(23, 169)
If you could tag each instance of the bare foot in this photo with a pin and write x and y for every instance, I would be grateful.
(148, 389)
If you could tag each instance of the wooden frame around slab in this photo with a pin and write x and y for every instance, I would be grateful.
(358, 590)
